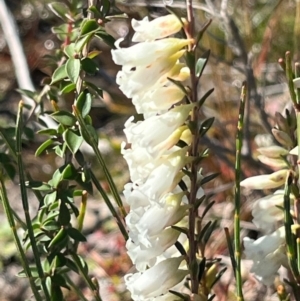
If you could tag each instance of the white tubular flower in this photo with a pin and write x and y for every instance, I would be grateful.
(167, 213)
(144, 256)
(150, 103)
(266, 214)
(156, 185)
(266, 271)
(146, 169)
(153, 133)
(268, 254)
(273, 180)
(148, 53)
(159, 28)
(155, 281)
(155, 160)
(143, 78)
(134, 197)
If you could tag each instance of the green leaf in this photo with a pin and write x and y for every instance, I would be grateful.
(76, 234)
(70, 51)
(95, 10)
(105, 7)
(205, 96)
(179, 85)
(69, 173)
(97, 91)
(200, 66)
(44, 146)
(61, 10)
(30, 94)
(71, 265)
(77, 192)
(74, 209)
(68, 88)
(209, 178)
(50, 132)
(93, 54)
(64, 216)
(89, 26)
(88, 186)
(202, 31)
(83, 41)
(73, 140)
(209, 231)
(203, 231)
(64, 117)
(73, 69)
(50, 198)
(219, 275)
(59, 74)
(91, 134)
(33, 270)
(84, 103)
(89, 66)
(86, 175)
(37, 185)
(108, 39)
(201, 63)
(56, 178)
(60, 149)
(181, 229)
(83, 264)
(58, 261)
(182, 296)
(48, 283)
(206, 125)
(207, 208)
(60, 240)
(51, 225)
(59, 281)
(80, 158)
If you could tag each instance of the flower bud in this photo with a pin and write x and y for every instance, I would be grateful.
(273, 151)
(273, 162)
(282, 137)
(273, 180)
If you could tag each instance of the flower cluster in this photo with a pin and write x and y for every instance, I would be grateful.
(269, 251)
(155, 161)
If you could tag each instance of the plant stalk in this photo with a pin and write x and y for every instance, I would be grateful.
(237, 195)
(19, 127)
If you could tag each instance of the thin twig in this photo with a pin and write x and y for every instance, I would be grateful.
(237, 195)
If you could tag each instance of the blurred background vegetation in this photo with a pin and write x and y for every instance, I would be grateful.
(246, 39)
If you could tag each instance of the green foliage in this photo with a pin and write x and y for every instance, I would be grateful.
(52, 233)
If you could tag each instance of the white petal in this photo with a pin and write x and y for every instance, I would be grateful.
(273, 180)
(153, 133)
(156, 280)
(144, 256)
(156, 29)
(260, 248)
(144, 77)
(144, 54)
